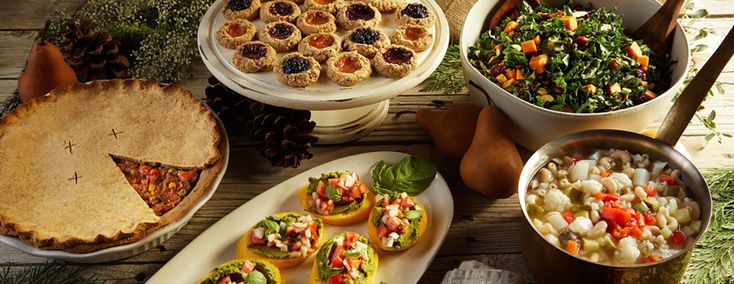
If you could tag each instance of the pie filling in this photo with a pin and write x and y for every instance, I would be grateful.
(317, 18)
(162, 187)
(281, 31)
(321, 41)
(239, 5)
(416, 11)
(295, 65)
(414, 33)
(365, 36)
(237, 29)
(254, 51)
(281, 9)
(397, 55)
(360, 12)
(348, 64)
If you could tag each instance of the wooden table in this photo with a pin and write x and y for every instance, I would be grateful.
(482, 229)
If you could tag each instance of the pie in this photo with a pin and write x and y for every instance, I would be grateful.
(104, 163)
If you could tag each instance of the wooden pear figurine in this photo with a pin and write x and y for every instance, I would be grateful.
(45, 71)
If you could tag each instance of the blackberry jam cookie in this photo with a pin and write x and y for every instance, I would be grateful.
(330, 6)
(385, 5)
(395, 62)
(279, 10)
(320, 46)
(281, 35)
(414, 37)
(242, 9)
(367, 41)
(348, 68)
(316, 21)
(235, 32)
(416, 14)
(254, 56)
(297, 70)
(357, 15)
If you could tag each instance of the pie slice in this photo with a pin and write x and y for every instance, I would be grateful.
(60, 185)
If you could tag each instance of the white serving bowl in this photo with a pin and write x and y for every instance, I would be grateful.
(534, 126)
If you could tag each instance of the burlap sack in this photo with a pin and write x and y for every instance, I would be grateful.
(456, 11)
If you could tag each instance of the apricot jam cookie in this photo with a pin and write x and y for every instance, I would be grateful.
(416, 14)
(385, 5)
(297, 70)
(357, 15)
(320, 46)
(254, 56)
(316, 21)
(279, 10)
(414, 37)
(281, 35)
(367, 41)
(242, 9)
(330, 6)
(348, 68)
(235, 32)
(395, 62)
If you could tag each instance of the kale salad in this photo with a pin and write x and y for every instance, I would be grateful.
(570, 59)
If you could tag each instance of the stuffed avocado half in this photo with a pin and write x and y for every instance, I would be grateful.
(248, 271)
(345, 258)
(284, 239)
(338, 198)
(397, 222)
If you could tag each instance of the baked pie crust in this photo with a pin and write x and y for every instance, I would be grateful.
(61, 188)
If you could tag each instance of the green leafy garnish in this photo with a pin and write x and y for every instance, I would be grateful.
(330, 271)
(411, 175)
(333, 193)
(412, 214)
(256, 277)
(270, 225)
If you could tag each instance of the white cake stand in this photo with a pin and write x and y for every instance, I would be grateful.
(342, 114)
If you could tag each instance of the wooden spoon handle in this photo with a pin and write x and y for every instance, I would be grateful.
(687, 104)
(505, 9)
(657, 31)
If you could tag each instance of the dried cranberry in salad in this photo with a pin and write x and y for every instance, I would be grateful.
(613, 207)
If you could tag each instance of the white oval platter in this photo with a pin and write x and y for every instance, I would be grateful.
(216, 245)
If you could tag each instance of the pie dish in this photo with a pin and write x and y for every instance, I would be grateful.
(72, 169)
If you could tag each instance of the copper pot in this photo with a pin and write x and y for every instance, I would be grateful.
(550, 264)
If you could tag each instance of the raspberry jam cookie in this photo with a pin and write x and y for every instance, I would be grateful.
(414, 37)
(242, 9)
(235, 32)
(281, 35)
(320, 46)
(385, 5)
(296, 70)
(395, 62)
(316, 21)
(254, 56)
(416, 14)
(330, 6)
(367, 41)
(348, 68)
(279, 10)
(357, 15)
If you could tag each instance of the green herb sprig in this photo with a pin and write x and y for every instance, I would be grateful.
(55, 272)
(448, 76)
(712, 260)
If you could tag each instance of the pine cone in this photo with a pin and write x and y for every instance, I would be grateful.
(92, 54)
(283, 135)
(232, 108)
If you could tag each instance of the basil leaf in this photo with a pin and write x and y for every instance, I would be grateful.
(256, 277)
(331, 271)
(411, 175)
(270, 225)
(351, 206)
(412, 214)
(333, 193)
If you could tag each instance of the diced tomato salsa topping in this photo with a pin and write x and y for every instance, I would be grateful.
(294, 234)
(162, 187)
(333, 190)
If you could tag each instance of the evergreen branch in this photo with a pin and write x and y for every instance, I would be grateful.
(449, 76)
(54, 272)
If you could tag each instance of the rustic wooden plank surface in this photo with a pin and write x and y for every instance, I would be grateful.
(482, 229)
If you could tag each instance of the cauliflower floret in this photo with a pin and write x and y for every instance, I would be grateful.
(591, 186)
(628, 251)
(555, 200)
(580, 225)
(622, 180)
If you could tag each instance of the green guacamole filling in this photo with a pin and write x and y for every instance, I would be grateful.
(235, 267)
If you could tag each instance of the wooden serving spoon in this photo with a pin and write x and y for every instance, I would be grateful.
(687, 103)
(507, 9)
(657, 32)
